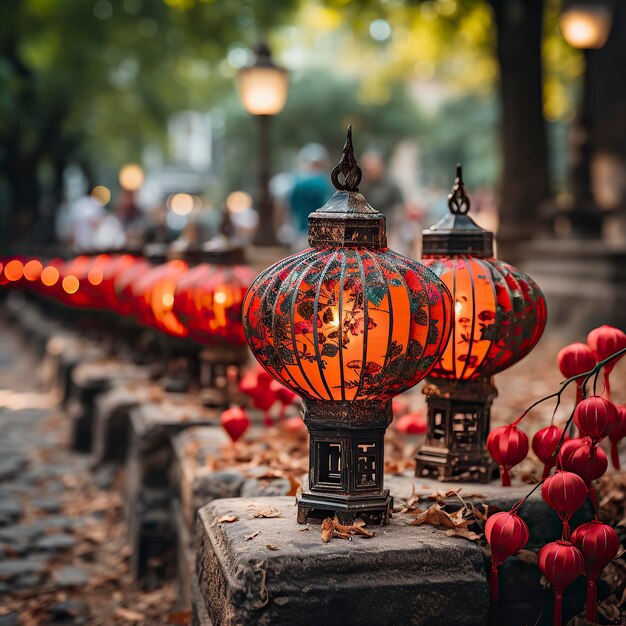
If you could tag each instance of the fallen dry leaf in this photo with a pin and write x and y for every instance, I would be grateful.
(463, 533)
(268, 512)
(436, 516)
(227, 519)
(304, 530)
(327, 529)
(252, 535)
(128, 615)
(270, 546)
(180, 618)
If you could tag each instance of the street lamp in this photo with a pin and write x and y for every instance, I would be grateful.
(585, 25)
(263, 92)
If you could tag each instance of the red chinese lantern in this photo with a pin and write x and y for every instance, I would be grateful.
(347, 324)
(565, 492)
(594, 417)
(584, 458)
(598, 543)
(605, 341)
(499, 316)
(235, 422)
(561, 563)
(545, 442)
(575, 360)
(508, 446)
(285, 396)
(411, 423)
(617, 432)
(507, 534)
(123, 285)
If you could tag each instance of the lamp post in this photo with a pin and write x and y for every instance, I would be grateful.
(585, 25)
(263, 92)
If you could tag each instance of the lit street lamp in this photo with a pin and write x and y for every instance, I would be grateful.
(263, 92)
(585, 24)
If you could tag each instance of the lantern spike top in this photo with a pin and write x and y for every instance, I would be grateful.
(348, 167)
(456, 234)
(458, 200)
(347, 220)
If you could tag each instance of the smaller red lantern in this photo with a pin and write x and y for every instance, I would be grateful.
(507, 446)
(545, 442)
(257, 384)
(598, 543)
(506, 533)
(565, 492)
(285, 396)
(584, 458)
(617, 432)
(235, 422)
(605, 341)
(561, 563)
(594, 417)
(575, 360)
(412, 423)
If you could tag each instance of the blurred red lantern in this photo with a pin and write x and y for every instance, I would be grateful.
(575, 360)
(499, 316)
(617, 432)
(584, 458)
(565, 492)
(598, 543)
(257, 385)
(507, 534)
(594, 417)
(235, 422)
(71, 291)
(545, 442)
(604, 342)
(123, 284)
(508, 446)
(561, 563)
(99, 281)
(412, 423)
(285, 396)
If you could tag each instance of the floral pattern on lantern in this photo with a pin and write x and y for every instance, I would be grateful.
(500, 315)
(347, 324)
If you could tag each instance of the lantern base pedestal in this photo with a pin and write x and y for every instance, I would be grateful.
(458, 425)
(347, 508)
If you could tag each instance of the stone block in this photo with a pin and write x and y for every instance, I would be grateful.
(402, 575)
(148, 491)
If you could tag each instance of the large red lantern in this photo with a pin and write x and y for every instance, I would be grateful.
(565, 492)
(598, 543)
(347, 324)
(499, 316)
(561, 563)
(507, 534)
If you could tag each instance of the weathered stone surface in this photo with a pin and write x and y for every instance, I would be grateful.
(56, 543)
(148, 489)
(11, 568)
(403, 575)
(70, 576)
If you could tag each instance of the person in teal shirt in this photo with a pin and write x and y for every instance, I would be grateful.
(311, 190)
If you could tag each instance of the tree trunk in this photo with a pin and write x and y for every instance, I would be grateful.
(525, 185)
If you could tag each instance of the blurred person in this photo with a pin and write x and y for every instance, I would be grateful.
(81, 221)
(311, 189)
(381, 192)
(133, 222)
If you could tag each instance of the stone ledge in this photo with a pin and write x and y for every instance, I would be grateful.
(403, 575)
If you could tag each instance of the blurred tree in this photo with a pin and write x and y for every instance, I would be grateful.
(83, 79)
(320, 106)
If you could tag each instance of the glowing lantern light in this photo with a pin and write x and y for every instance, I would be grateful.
(70, 284)
(347, 325)
(49, 276)
(32, 270)
(14, 270)
(499, 316)
(586, 25)
(131, 177)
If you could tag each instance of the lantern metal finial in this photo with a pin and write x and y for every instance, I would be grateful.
(348, 167)
(458, 200)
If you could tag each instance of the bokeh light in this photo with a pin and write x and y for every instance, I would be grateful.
(238, 201)
(49, 276)
(14, 270)
(95, 276)
(180, 203)
(131, 177)
(32, 270)
(101, 193)
(70, 284)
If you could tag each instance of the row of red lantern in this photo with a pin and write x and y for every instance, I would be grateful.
(202, 302)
